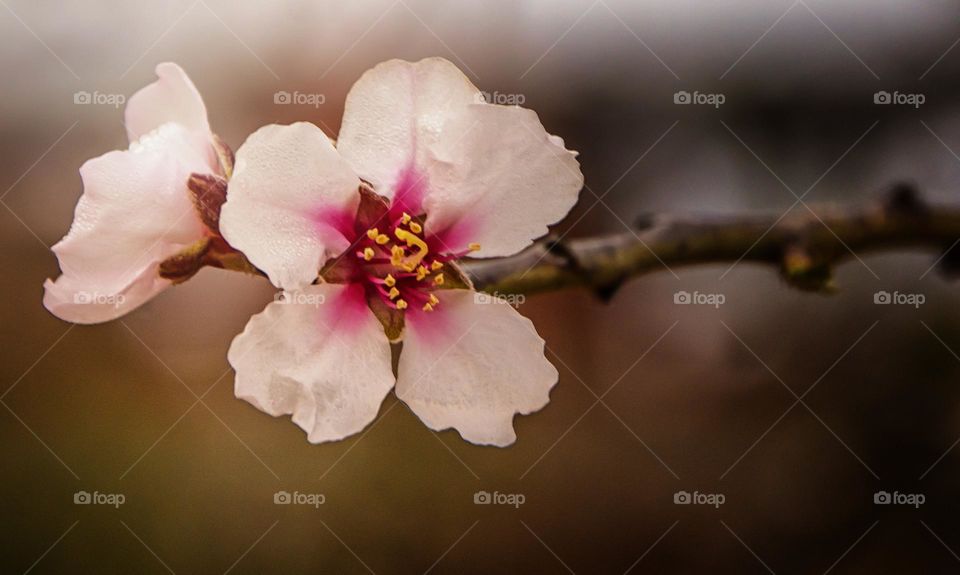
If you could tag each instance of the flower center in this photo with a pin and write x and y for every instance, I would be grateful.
(399, 262)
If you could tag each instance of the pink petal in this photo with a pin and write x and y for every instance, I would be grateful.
(499, 179)
(320, 356)
(289, 202)
(472, 366)
(172, 98)
(70, 298)
(395, 112)
(134, 213)
(483, 173)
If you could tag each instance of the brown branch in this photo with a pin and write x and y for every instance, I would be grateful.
(804, 246)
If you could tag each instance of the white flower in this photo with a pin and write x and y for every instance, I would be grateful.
(452, 175)
(136, 210)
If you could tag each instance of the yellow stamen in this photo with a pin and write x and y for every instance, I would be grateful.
(372, 233)
(401, 304)
(396, 255)
(394, 292)
(422, 272)
(427, 307)
(436, 265)
(434, 300)
(438, 279)
(473, 246)
(390, 281)
(405, 218)
(382, 239)
(415, 227)
(368, 253)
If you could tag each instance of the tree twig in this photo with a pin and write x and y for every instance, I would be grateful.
(803, 246)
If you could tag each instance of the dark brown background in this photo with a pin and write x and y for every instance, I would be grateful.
(111, 408)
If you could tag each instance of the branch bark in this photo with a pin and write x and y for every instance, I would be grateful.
(804, 247)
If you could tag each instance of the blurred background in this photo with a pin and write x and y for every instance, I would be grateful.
(695, 398)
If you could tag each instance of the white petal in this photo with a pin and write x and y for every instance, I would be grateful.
(499, 179)
(471, 365)
(395, 112)
(321, 356)
(172, 98)
(70, 298)
(483, 173)
(134, 213)
(289, 203)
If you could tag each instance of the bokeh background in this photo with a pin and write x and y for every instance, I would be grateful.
(694, 398)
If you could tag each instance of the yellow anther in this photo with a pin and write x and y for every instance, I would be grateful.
(434, 300)
(422, 272)
(390, 281)
(382, 239)
(401, 304)
(372, 233)
(438, 279)
(427, 307)
(394, 292)
(405, 218)
(415, 227)
(436, 265)
(473, 247)
(368, 253)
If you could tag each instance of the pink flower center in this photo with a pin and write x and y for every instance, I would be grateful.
(403, 265)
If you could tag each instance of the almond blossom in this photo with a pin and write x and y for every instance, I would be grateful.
(139, 227)
(363, 236)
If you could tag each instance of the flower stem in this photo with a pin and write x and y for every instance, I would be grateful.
(804, 245)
